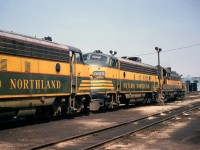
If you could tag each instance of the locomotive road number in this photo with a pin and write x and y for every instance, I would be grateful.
(99, 73)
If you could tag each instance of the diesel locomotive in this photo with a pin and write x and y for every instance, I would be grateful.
(114, 81)
(40, 77)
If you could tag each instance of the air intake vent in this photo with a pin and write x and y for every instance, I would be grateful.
(3, 64)
(27, 66)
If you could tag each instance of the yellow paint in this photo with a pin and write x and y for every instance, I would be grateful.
(82, 70)
(102, 85)
(135, 92)
(17, 64)
(95, 88)
(85, 85)
(137, 76)
(96, 84)
(96, 81)
(173, 84)
(34, 95)
(86, 93)
(109, 72)
(119, 74)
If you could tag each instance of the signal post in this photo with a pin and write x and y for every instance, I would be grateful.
(160, 100)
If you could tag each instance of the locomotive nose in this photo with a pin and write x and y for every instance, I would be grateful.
(97, 72)
(100, 85)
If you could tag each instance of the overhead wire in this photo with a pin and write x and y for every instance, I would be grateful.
(174, 49)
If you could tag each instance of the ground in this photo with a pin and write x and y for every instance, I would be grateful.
(181, 133)
(178, 134)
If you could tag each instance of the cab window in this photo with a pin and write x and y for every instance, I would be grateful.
(85, 57)
(113, 63)
(79, 58)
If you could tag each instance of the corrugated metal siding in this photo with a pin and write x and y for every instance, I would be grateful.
(19, 48)
(136, 68)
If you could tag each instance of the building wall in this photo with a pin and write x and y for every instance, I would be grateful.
(192, 80)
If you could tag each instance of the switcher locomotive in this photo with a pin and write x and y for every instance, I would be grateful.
(38, 76)
(114, 81)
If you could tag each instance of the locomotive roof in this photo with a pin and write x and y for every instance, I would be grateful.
(125, 60)
(37, 41)
(101, 53)
(136, 63)
(172, 73)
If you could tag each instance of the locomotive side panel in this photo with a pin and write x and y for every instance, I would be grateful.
(133, 82)
(39, 77)
(34, 73)
(172, 86)
(139, 81)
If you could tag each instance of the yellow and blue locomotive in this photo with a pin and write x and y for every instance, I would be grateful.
(38, 76)
(114, 81)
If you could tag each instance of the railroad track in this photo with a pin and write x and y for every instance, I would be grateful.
(99, 138)
(20, 122)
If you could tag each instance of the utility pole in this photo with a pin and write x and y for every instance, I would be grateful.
(159, 75)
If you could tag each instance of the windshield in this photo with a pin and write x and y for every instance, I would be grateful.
(96, 59)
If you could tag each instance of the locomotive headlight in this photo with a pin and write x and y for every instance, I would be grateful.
(99, 73)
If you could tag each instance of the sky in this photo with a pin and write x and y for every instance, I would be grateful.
(130, 27)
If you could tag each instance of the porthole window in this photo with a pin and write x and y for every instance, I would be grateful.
(124, 74)
(58, 67)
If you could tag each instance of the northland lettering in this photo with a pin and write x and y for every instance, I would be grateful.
(34, 84)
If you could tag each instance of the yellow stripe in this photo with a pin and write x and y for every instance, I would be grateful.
(85, 84)
(93, 88)
(102, 84)
(85, 93)
(34, 95)
(96, 88)
(85, 81)
(96, 85)
(135, 92)
(96, 81)
(100, 81)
